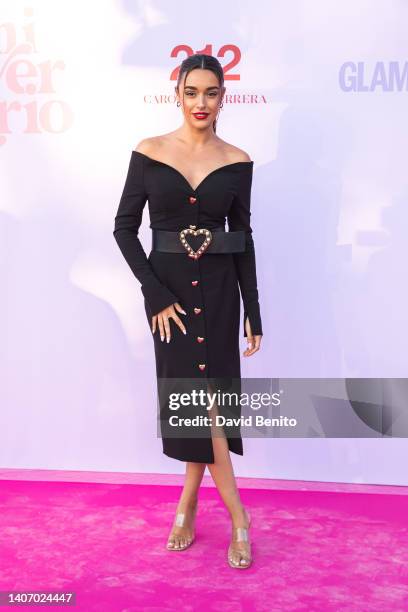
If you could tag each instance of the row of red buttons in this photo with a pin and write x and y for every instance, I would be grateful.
(197, 311)
(200, 339)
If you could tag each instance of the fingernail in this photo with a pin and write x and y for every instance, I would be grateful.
(184, 332)
(168, 340)
(162, 338)
(184, 312)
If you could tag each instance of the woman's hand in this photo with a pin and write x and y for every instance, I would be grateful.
(254, 342)
(163, 319)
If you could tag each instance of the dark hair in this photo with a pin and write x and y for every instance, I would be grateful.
(201, 60)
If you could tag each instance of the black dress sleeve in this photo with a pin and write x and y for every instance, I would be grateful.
(239, 218)
(127, 223)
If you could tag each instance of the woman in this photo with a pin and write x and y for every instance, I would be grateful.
(193, 180)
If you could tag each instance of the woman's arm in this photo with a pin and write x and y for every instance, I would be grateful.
(127, 223)
(239, 218)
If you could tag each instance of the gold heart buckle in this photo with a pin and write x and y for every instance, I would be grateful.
(192, 230)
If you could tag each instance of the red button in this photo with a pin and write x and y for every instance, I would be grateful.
(193, 200)
(197, 310)
(201, 366)
(194, 283)
(200, 339)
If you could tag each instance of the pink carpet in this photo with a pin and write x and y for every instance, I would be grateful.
(313, 549)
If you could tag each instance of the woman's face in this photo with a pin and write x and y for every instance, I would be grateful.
(200, 93)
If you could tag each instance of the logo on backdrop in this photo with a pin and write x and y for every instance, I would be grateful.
(29, 102)
(382, 76)
(232, 54)
(233, 50)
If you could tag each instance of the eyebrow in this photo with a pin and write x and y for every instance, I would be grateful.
(193, 87)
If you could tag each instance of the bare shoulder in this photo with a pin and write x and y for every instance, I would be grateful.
(147, 146)
(235, 154)
(153, 146)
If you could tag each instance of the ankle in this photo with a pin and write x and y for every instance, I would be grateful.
(239, 517)
(189, 503)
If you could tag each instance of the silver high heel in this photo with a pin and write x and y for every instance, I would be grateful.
(179, 522)
(240, 534)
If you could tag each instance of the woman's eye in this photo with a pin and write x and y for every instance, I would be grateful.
(192, 93)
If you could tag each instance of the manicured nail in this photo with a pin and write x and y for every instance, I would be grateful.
(168, 340)
(162, 338)
(183, 311)
(184, 331)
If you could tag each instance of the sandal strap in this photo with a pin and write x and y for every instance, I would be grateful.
(180, 518)
(241, 534)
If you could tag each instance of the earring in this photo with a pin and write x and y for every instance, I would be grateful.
(178, 103)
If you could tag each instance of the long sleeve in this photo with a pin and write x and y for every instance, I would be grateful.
(239, 218)
(127, 223)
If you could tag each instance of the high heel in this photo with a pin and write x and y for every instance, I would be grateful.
(240, 534)
(180, 522)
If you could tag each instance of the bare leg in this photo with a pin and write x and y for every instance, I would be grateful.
(222, 472)
(181, 535)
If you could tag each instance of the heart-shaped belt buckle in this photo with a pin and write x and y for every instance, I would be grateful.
(195, 232)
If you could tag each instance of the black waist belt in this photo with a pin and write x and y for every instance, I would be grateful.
(195, 241)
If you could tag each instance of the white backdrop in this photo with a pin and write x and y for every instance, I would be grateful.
(320, 106)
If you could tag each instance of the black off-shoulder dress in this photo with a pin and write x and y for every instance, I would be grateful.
(207, 288)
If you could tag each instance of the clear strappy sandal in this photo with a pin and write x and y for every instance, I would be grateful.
(240, 534)
(179, 522)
